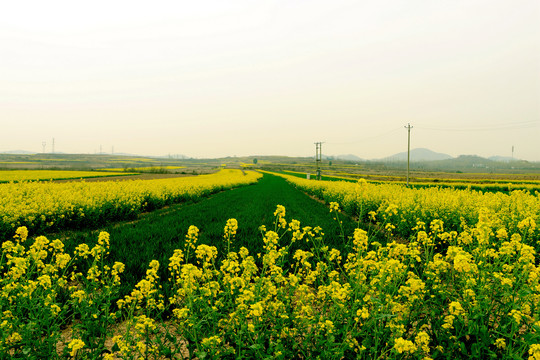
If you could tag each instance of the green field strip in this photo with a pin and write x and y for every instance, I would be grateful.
(157, 234)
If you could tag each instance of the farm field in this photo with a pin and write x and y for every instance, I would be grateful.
(326, 180)
(97, 161)
(52, 206)
(489, 184)
(457, 209)
(167, 228)
(283, 268)
(47, 175)
(151, 169)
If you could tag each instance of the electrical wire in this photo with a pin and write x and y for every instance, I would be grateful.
(507, 126)
(365, 138)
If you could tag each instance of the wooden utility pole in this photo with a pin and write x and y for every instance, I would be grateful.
(408, 127)
(318, 158)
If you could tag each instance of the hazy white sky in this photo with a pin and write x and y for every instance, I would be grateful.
(224, 78)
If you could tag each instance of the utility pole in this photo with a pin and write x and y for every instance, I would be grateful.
(408, 127)
(512, 152)
(318, 158)
(53, 145)
(44, 144)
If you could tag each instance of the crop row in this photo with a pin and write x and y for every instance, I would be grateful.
(46, 175)
(52, 206)
(407, 208)
(458, 184)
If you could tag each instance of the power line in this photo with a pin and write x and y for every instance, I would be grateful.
(507, 126)
(492, 127)
(364, 139)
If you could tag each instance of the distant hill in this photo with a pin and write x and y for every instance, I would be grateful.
(476, 163)
(465, 162)
(419, 154)
(347, 157)
(473, 160)
(502, 158)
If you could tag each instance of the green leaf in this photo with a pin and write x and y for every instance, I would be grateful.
(170, 338)
(256, 347)
(201, 354)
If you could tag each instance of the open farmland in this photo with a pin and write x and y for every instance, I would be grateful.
(47, 175)
(486, 184)
(104, 162)
(270, 180)
(406, 208)
(52, 206)
(149, 169)
(357, 270)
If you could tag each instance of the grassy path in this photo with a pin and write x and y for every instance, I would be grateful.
(155, 235)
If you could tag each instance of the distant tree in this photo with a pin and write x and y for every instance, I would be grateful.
(330, 163)
(255, 160)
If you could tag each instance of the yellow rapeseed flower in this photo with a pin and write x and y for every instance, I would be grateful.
(422, 341)
(456, 309)
(401, 345)
(75, 345)
(534, 352)
(500, 343)
(334, 206)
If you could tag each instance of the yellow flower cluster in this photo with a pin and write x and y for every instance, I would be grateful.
(41, 290)
(230, 232)
(146, 293)
(75, 345)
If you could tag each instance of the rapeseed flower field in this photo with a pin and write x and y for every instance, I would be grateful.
(143, 168)
(441, 295)
(52, 206)
(46, 175)
(440, 290)
(404, 210)
(482, 184)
